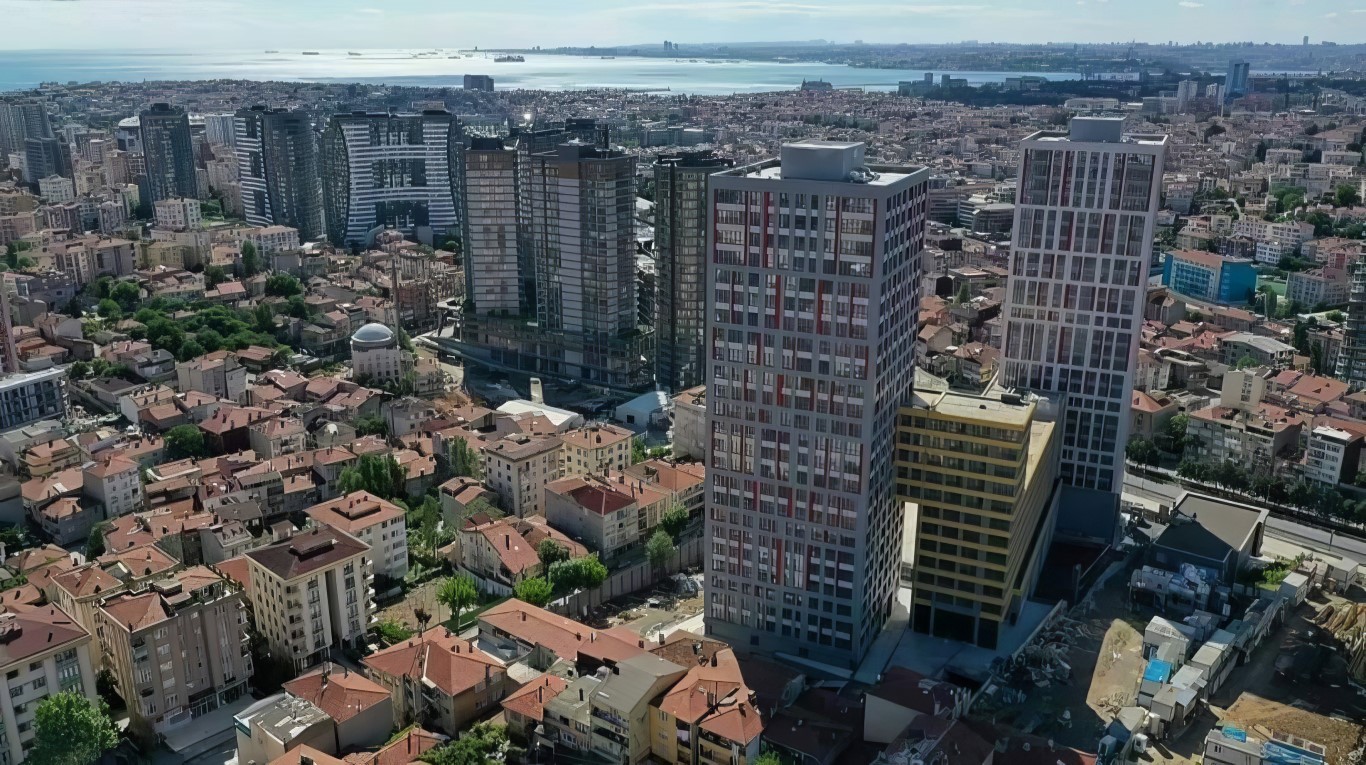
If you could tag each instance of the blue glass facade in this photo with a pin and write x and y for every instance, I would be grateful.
(1209, 277)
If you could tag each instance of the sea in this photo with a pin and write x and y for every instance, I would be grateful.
(446, 68)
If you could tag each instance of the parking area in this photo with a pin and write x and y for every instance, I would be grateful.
(648, 613)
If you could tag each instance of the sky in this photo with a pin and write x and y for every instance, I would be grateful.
(363, 24)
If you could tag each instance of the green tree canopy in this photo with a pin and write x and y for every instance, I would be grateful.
(379, 474)
(251, 262)
(184, 441)
(578, 574)
(464, 460)
(1346, 195)
(534, 590)
(638, 451)
(214, 276)
(674, 520)
(659, 548)
(458, 593)
(372, 426)
(1141, 451)
(392, 631)
(283, 285)
(69, 729)
(550, 552)
(127, 295)
(94, 544)
(483, 743)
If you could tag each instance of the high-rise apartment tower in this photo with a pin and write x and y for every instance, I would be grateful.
(579, 206)
(277, 168)
(813, 279)
(387, 170)
(168, 152)
(1084, 218)
(681, 256)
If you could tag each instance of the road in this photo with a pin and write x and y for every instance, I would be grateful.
(1308, 537)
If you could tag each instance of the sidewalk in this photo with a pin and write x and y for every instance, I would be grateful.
(206, 731)
(875, 661)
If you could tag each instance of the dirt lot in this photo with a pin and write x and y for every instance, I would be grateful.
(1328, 711)
(636, 613)
(422, 596)
(1106, 661)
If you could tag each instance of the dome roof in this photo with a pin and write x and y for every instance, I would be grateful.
(373, 333)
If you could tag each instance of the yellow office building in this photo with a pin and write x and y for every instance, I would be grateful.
(981, 469)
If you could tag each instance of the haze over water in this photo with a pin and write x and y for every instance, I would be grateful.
(26, 69)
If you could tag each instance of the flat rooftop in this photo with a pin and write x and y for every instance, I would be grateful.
(995, 405)
(774, 172)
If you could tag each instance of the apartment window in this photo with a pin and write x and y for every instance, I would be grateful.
(16, 691)
(39, 682)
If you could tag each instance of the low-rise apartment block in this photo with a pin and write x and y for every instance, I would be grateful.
(311, 592)
(178, 649)
(597, 448)
(440, 678)
(610, 516)
(378, 523)
(45, 652)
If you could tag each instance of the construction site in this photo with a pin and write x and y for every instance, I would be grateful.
(1284, 682)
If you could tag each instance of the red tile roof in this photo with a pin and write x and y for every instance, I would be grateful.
(439, 656)
(530, 699)
(536, 626)
(355, 511)
(340, 693)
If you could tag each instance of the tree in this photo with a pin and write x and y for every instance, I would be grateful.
(185, 441)
(550, 552)
(464, 460)
(127, 295)
(69, 729)
(94, 544)
(964, 295)
(638, 451)
(578, 574)
(1173, 435)
(283, 285)
(251, 263)
(674, 520)
(1142, 451)
(372, 426)
(214, 276)
(1336, 316)
(481, 744)
(458, 593)
(534, 590)
(264, 318)
(79, 370)
(1346, 196)
(660, 548)
(392, 631)
(1193, 470)
(108, 309)
(769, 758)
(379, 474)
(1246, 362)
(190, 350)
